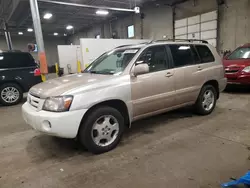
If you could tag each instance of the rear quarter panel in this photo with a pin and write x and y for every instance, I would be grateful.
(214, 70)
(19, 76)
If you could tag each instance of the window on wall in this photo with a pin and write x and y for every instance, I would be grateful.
(131, 31)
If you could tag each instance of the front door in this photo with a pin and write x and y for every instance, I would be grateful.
(154, 91)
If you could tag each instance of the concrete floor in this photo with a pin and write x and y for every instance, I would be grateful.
(178, 149)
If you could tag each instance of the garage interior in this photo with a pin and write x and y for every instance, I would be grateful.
(176, 149)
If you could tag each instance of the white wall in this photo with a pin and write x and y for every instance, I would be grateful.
(50, 43)
(233, 22)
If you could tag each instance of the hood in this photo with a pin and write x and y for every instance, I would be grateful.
(240, 63)
(58, 86)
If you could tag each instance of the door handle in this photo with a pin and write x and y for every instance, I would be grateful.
(169, 74)
(199, 68)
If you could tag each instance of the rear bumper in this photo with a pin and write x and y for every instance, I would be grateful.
(243, 79)
(222, 84)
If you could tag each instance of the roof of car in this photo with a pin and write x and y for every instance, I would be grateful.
(162, 42)
(246, 45)
(11, 51)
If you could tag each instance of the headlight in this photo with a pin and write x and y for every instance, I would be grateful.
(246, 69)
(58, 104)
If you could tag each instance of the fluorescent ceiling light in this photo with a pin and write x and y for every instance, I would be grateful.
(69, 27)
(55, 34)
(20, 33)
(30, 30)
(102, 12)
(47, 16)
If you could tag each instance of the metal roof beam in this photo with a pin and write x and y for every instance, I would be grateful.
(87, 6)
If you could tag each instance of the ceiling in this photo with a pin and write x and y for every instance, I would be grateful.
(18, 14)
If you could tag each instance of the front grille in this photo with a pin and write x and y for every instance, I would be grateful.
(33, 101)
(231, 71)
(231, 79)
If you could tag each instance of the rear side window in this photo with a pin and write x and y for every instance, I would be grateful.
(204, 53)
(16, 60)
(182, 55)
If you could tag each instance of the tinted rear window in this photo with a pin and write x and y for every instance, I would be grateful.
(16, 60)
(204, 53)
(182, 55)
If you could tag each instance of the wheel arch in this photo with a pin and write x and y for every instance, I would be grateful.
(114, 103)
(215, 84)
(13, 82)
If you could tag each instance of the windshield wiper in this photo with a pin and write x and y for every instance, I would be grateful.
(93, 72)
(101, 72)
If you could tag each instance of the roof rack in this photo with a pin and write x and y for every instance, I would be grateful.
(131, 44)
(123, 46)
(188, 40)
(13, 51)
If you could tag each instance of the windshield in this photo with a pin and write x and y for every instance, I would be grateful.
(240, 53)
(113, 62)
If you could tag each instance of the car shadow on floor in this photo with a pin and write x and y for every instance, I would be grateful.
(42, 147)
(147, 126)
(21, 103)
(238, 89)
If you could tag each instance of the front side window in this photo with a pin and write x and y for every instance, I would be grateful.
(182, 55)
(113, 62)
(240, 53)
(155, 57)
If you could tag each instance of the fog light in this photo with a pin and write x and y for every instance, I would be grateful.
(46, 125)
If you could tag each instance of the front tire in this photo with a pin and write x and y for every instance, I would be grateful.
(102, 130)
(206, 101)
(10, 94)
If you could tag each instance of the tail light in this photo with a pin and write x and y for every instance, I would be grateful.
(37, 72)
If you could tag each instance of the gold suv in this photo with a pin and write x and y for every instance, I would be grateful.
(123, 85)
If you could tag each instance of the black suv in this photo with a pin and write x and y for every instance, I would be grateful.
(18, 73)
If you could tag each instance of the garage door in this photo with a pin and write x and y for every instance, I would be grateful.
(202, 27)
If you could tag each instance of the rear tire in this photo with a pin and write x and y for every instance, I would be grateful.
(206, 101)
(102, 130)
(10, 94)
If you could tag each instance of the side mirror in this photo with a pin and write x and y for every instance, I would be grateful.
(140, 68)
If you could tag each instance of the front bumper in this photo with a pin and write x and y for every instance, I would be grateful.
(243, 79)
(60, 124)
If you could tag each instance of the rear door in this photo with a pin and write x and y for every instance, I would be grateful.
(19, 67)
(188, 74)
(194, 65)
